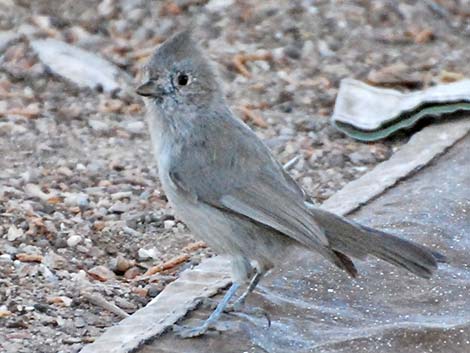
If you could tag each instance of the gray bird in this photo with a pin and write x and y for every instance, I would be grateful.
(225, 184)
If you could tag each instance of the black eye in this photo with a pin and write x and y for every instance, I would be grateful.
(182, 79)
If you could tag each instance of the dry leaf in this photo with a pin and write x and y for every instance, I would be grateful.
(29, 257)
(167, 265)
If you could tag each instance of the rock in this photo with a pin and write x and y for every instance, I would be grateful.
(99, 126)
(124, 304)
(132, 273)
(154, 290)
(61, 300)
(74, 240)
(14, 233)
(55, 261)
(396, 74)
(23, 257)
(218, 5)
(30, 249)
(145, 254)
(83, 68)
(337, 160)
(134, 127)
(363, 156)
(7, 38)
(324, 49)
(168, 224)
(293, 51)
(101, 273)
(5, 259)
(121, 195)
(119, 207)
(120, 264)
(76, 199)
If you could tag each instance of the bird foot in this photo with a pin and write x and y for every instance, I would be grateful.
(190, 332)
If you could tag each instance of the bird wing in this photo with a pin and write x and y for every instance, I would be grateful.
(230, 169)
(273, 204)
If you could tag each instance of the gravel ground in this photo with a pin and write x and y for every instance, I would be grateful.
(86, 235)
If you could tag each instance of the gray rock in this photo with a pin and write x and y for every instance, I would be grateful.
(119, 207)
(83, 68)
(364, 156)
(77, 199)
(99, 126)
(134, 127)
(6, 38)
(336, 160)
(74, 240)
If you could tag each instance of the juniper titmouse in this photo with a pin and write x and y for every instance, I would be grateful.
(231, 192)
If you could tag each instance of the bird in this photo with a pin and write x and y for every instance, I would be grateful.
(227, 187)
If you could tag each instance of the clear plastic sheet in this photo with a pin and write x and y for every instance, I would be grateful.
(317, 308)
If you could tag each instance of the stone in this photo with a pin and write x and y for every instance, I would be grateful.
(168, 224)
(14, 233)
(145, 254)
(74, 240)
(83, 68)
(134, 127)
(7, 38)
(101, 273)
(55, 261)
(99, 126)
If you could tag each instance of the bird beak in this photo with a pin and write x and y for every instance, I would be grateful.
(150, 89)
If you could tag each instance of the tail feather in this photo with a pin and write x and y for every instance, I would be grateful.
(352, 239)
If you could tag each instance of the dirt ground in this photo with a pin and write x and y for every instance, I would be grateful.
(82, 215)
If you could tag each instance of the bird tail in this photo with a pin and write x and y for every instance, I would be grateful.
(352, 239)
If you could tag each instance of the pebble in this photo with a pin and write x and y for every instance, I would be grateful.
(76, 199)
(99, 126)
(121, 195)
(101, 273)
(83, 68)
(14, 233)
(132, 273)
(74, 240)
(60, 300)
(134, 127)
(125, 304)
(6, 38)
(337, 160)
(168, 224)
(145, 254)
(5, 258)
(120, 264)
(119, 207)
(55, 261)
(362, 157)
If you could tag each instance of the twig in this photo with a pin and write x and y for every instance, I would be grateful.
(194, 246)
(167, 265)
(257, 119)
(98, 300)
(290, 164)
(240, 60)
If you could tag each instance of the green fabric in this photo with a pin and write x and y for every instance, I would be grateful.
(404, 121)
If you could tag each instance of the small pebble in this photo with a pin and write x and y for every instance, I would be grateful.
(74, 240)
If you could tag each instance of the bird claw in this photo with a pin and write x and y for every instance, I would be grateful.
(189, 332)
(241, 308)
(207, 303)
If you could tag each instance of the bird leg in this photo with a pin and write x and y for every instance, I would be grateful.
(188, 332)
(241, 300)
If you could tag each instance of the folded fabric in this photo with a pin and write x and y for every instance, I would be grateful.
(369, 113)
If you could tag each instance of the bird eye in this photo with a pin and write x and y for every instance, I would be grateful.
(182, 79)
